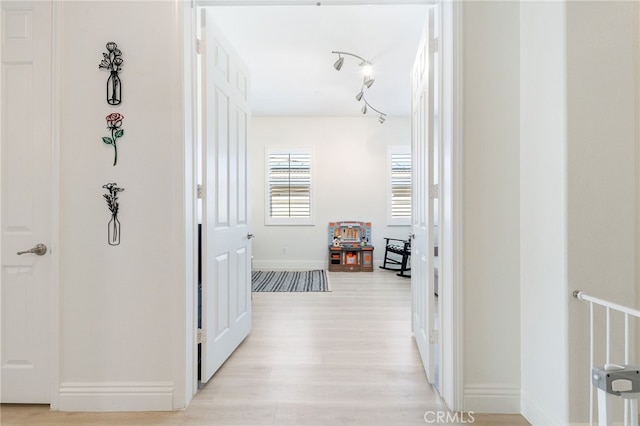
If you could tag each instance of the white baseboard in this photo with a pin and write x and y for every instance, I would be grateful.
(488, 398)
(288, 265)
(295, 265)
(115, 396)
(536, 413)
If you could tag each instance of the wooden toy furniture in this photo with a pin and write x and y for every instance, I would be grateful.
(349, 248)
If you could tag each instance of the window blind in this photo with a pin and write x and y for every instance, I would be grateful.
(289, 185)
(401, 185)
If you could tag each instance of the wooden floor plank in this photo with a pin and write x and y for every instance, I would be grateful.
(345, 357)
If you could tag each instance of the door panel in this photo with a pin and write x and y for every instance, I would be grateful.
(422, 264)
(25, 192)
(226, 289)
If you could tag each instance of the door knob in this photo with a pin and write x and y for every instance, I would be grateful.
(250, 236)
(39, 249)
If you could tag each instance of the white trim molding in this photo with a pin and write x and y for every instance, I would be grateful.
(56, 241)
(490, 398)
(457, 207)
(451, 274)
(297, 265)
(185, 236)
(535, 413)
(288, 265)
(115, 396)
(309, 2)
(192, 209)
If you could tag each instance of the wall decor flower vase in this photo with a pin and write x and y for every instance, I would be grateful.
(113, 231)
(113, 227)
(114, 89)
(112, 62)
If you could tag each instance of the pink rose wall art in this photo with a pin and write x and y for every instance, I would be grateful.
(114, 125)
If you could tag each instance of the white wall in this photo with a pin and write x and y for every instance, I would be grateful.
(491, 206)
(116, 345)
(602, 170)
(543, 235)
(579, 168)
(117, 321)
(350, 181)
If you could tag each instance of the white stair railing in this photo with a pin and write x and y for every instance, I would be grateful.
(612, 379)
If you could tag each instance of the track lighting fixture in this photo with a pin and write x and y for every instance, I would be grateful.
(367, 106)
(367, 81)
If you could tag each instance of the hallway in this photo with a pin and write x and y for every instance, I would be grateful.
(344, 357)
(340, 358)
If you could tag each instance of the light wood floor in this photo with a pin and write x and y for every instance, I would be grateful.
(340, 358)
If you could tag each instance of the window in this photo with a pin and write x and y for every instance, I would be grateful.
(289, 200)
(399, 186)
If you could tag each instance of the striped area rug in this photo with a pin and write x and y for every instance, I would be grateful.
(289, 281)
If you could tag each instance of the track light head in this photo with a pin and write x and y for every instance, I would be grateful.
(368, 82)
(381, 119)
(364, 109)
(338, 64)
(359, 96)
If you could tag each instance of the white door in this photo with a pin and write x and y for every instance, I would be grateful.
(226, 250)
(25, 197)
(422, 285)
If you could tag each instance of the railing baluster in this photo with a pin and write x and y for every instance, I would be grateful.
(627, 403)
(608, 336)
(627, 351)
(591, 362)
(630, 404)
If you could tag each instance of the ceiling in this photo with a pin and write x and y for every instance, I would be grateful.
(288, 51)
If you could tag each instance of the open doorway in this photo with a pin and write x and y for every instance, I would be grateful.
(319, 224)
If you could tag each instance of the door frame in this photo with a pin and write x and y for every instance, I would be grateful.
(56, 223)
(185, 374)
(452, 186)
(451, 172)
(186, 301)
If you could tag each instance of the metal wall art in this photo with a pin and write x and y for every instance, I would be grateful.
(114, 124)
(112, 62)
(113, 227)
